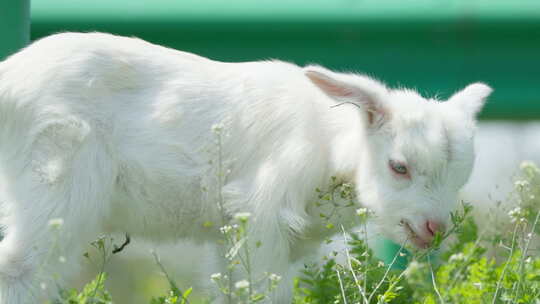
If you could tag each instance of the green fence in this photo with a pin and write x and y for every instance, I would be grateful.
(14, 25)
(435, 46)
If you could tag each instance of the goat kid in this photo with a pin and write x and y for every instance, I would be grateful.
(111, 134)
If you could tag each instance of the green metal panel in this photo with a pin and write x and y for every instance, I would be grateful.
(14, 25)
(391, 253)
(435, 46)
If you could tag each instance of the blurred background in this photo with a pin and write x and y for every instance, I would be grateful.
(434, 46)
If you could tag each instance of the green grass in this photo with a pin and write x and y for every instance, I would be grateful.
(472, 268)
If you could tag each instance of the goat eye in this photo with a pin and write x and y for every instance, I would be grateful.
(398, 167)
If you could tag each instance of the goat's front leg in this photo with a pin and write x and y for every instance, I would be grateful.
(266, 259)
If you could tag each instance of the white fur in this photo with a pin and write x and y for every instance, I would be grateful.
(113, 134)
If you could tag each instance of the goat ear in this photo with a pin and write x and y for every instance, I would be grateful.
(360, 90)
(471, 99)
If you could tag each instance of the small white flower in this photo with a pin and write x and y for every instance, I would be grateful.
(43, 285)
(514, 211)
(361, 211)
(56, 223)
(274, 277)
(521, 183)
(62, 259)
(528, 260)
(457, 257)
(515, 214)
(242, 216)
(217, 128)
(380, 264)
(215, 276)
(241, 284)
(413, 267)
(225, 229)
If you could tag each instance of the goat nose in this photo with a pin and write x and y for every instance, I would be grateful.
(434, 226)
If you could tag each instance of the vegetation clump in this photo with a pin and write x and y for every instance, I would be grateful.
(471, 267)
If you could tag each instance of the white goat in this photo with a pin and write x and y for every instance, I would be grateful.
(111, 134)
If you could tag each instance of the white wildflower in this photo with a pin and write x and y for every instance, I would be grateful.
(274, 277)
(215, 276)
(217, 128)
(43, 285)
(380, 264)
(56, 223)
(62, 259)
(457, 257)
(225, 229)
(412, 268)
(521, 183)
(514, 211)
(361, 211)
(515, 214)
(242, 216)
(241, 284)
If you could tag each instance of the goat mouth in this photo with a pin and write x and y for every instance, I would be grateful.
(413, 236)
